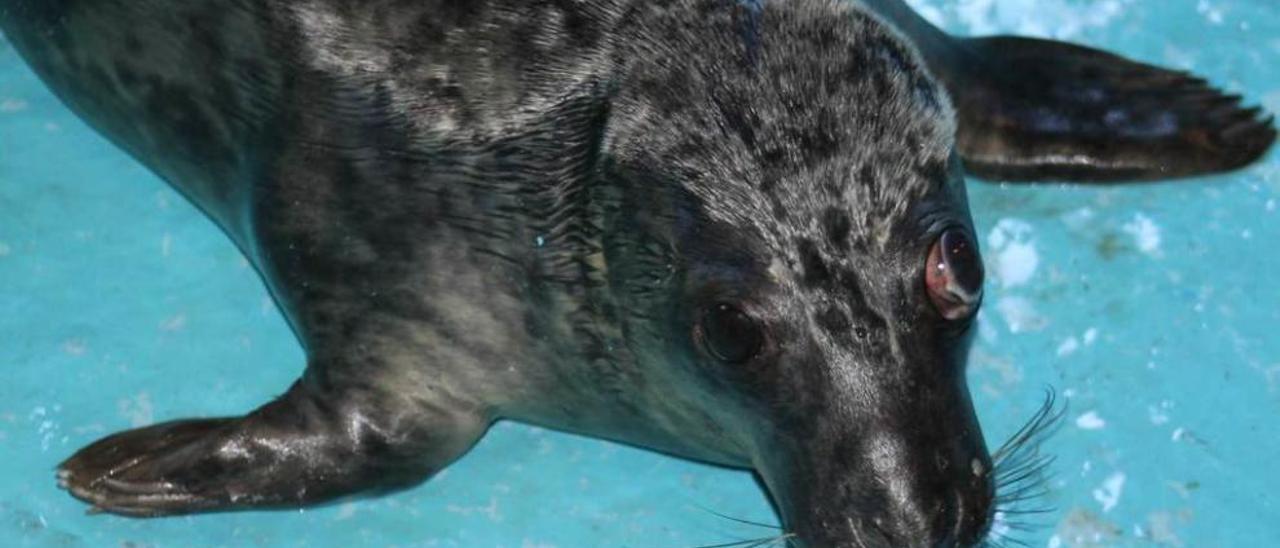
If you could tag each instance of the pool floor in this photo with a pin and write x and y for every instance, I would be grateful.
(1152, 310)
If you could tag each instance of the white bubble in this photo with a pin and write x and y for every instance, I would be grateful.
(1090, 421)
(1146, 234)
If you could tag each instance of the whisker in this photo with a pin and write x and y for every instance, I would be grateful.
(1040, 426)
(783, 540)
(1022, 527)
(1031, 483)
(1018, 542)
(752, 543)
(1020, 497)
(992, 543)
(1021, 474)
(1021, 511)
(729, 544)
(783, 536)
(739, 520)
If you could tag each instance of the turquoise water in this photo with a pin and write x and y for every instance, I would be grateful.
(1151, 309)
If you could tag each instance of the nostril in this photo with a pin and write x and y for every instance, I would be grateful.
(941, 461)
(973, 518)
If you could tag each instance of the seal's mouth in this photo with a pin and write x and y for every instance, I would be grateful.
(1020, 472)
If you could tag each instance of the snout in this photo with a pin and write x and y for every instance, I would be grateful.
(927, 522)
(920, 485)
(889, 501)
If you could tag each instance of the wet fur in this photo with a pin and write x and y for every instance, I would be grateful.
(477, 210)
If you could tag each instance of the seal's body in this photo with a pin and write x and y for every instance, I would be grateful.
(733, 233)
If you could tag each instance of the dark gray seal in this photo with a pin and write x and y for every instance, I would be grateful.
(733, 233)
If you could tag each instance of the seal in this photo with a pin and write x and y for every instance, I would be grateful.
(735, 233)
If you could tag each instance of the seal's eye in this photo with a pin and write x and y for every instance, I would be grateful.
(730, 334)
(953, 275)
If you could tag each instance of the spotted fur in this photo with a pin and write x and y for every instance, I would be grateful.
(523, 209)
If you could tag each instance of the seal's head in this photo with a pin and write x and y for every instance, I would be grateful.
(800, 267)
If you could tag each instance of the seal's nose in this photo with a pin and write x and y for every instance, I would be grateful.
(943, 498)
(956, 521)
(928, 499)
(961, 519)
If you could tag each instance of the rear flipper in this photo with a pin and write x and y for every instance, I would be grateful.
(1033, 109)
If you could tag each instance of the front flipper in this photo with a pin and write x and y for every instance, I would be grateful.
(307, 446)
(1032, 109)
